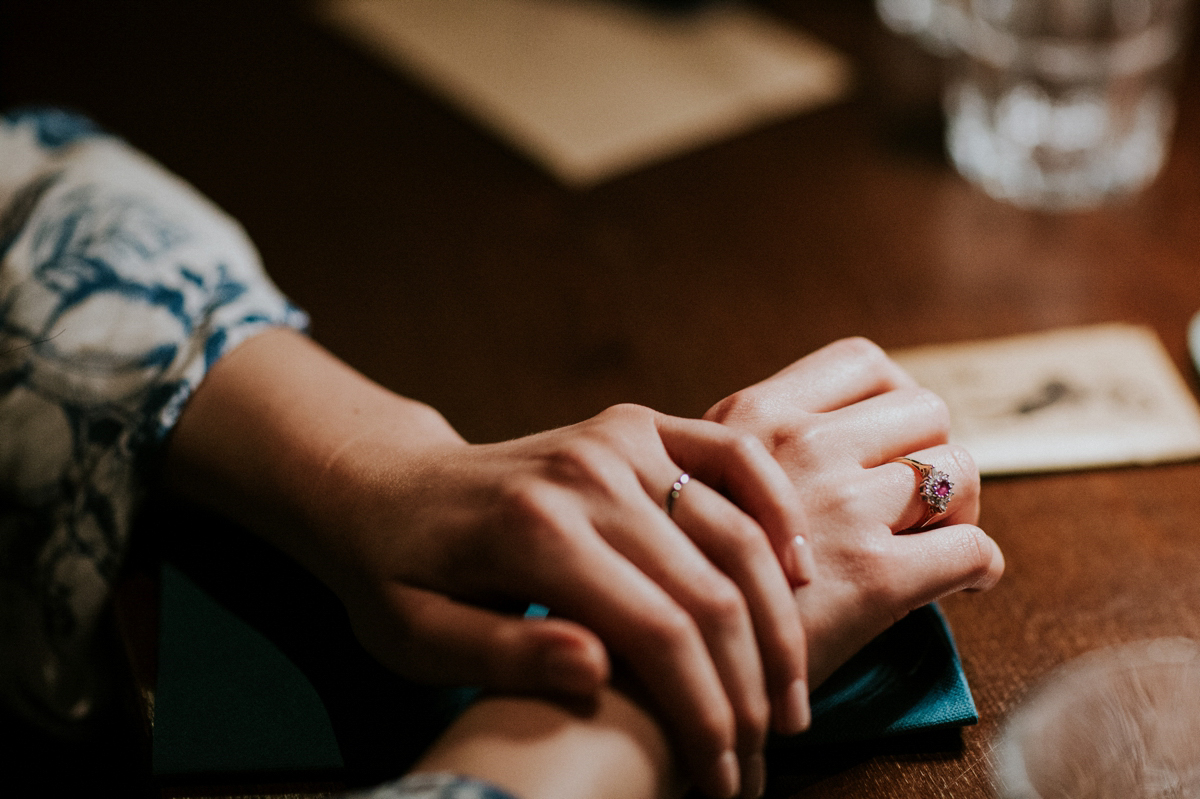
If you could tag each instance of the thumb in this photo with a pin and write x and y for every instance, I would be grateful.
(430, 637)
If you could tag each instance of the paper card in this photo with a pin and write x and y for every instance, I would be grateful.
(1066, 399)
(594, 88)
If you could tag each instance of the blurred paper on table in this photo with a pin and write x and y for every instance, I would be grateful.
(1066, 399)
(593, 88)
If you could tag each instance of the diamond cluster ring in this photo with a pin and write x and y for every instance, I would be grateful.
(935, 488)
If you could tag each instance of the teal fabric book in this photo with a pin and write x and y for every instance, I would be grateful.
(909, 679)
(227, 700)
(230, 702)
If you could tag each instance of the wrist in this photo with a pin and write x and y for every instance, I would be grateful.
(538, 749)
(286, 439)
(358, 503)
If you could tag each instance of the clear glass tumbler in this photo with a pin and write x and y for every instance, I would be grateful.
(934, 24)
(1060, 104)
(1120, 723)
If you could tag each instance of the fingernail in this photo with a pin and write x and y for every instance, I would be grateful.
(726, 775)
(798, 714)
(754, 776)
(800, 557)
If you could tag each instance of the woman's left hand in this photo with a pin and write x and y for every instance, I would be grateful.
(836, 421)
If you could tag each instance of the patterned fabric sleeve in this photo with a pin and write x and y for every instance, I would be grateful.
(120, 286)
(434, 786)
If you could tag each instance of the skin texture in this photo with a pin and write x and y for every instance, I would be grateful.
(535, 749)
(834, 419)
(432, 542)
(790, 527)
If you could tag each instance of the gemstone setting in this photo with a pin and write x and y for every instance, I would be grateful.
(936, 490)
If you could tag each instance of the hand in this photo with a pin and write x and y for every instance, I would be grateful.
(835, 420)
(574, 519)
(426, 539)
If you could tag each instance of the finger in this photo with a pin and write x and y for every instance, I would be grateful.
(620, 513)
(944, 560)
(738, 465)
(880, 428)
(739, 549)
(583, 576)
(448, 642)
(711, 597)
(837, 375)
(914, 496)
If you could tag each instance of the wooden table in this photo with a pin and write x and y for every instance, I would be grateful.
(451, 269)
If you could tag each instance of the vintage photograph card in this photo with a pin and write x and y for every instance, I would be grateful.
(1074, 398)
(594, 88)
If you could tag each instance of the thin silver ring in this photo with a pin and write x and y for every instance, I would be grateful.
(676, 489)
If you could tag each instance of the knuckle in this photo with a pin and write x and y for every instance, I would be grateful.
(964, 468)
(720, 605)
(754, 717)
(939, 411)
(862, 349)
(839, 499)
(582, 457)
(873, 358)
(526, 501)
(813, 437)
(742, 535)
(627, 412)
(529, 517)
(801, 442)
(977, 553)
(616, 432)
(746, 449)
(746, 405)
(873, 573)
(671, 631)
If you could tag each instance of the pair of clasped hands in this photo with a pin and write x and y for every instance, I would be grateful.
(778, 560)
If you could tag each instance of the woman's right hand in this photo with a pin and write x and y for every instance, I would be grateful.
(695, 603)
(429, 541)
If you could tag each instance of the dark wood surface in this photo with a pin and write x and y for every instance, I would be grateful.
(451, 269)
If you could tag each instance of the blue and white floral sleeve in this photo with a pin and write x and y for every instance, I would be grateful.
(120, 286)
(434, 786)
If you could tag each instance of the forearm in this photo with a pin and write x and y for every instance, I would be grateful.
(120, 284)
(426, 539)
(265, 440)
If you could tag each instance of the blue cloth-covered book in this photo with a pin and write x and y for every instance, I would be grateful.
(229, 702)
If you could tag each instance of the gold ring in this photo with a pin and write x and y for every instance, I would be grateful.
(935, 488)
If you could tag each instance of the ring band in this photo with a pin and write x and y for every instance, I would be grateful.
(676, 488)
(935, 488)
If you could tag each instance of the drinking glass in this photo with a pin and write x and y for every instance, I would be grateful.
(1061, 104)
(934, 24)
(1120, 723)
